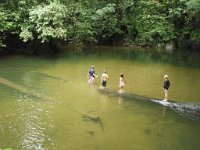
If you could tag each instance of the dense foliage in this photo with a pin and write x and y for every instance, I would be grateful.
(139, 22)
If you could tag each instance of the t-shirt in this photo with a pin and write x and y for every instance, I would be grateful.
(92, 72)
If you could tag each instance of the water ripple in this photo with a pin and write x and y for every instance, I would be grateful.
(34, 119)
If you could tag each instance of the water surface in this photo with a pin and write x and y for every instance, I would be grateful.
(53, 111)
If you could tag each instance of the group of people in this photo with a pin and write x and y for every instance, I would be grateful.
(105, 77)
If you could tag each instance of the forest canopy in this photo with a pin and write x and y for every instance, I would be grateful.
(128, 22)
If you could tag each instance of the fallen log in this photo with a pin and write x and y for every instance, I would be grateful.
(48, 76)
(189, 110)
(21, 89)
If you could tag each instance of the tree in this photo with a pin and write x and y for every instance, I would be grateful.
(152, 24)
(55, 21)
(140, 22)
(193, 19)
(104, 23)
(46, 22)
(3, 25)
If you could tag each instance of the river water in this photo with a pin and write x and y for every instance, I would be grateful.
(46, 103)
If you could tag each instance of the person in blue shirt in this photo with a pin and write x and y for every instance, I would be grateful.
(91, 75)
(166, 86)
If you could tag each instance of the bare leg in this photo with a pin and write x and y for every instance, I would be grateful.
(166, 94)
(121, 90)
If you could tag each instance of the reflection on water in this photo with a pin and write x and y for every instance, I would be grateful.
(176, 57)
(120, 102)
(164, 112)
(32, 126)
(26, 124)
(63, 112)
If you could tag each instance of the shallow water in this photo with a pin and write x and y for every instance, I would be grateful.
(55, 111)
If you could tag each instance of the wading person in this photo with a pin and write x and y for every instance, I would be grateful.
(104, 78)
(91, 75)
(166, 86)
(121, 83)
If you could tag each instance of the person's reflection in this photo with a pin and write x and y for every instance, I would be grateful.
(164, 112)
(160, 123)
(104, 100)
(120, 101)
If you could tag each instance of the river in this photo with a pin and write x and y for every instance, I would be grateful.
(46, 103)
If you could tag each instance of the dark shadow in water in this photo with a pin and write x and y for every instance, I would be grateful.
(94, 119)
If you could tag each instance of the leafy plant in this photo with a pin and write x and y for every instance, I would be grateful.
(46, 22)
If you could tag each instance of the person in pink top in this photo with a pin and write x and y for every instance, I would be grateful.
(121, 83)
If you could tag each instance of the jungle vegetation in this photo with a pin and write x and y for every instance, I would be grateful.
(28, 24)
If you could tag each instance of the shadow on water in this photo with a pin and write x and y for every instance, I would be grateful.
(94, 119)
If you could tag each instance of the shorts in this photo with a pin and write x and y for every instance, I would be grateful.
(104, 83)
(166, 91)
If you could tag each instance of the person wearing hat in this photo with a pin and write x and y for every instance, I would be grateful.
(104, 78)
(91, 75)
(166, 87)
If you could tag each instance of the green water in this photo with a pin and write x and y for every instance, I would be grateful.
(55, 120)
